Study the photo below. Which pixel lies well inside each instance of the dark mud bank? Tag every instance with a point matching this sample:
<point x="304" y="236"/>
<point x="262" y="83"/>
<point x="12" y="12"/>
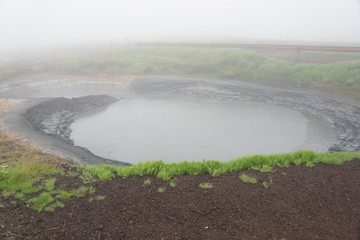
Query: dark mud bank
<point x="54" y="117"/>
<point x="344" y="118"/>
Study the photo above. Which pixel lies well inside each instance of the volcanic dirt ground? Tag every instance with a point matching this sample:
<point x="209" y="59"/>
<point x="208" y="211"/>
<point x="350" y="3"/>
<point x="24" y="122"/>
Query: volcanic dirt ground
<point x="322" y="202"/>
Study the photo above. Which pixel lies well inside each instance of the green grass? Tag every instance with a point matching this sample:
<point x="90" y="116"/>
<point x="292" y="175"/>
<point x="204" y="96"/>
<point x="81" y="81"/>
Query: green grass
<point x="20" y="196"/>
<point x="266" y="168"/>
<point x="147" y="182"/>
<point x="91" y="190"/>
<point x="221" y="63"/>
<point x="38" y="203"/>
<point x="28" y="175"/>
<point x="63" y="195"/>
<point x="161" y="189"/>
<point x="52" y="207"/>
<point x="87" y="176"/>
<point x="24" y="174"/>
<point x="79" y="192"/>
<point x="172" y="184"/>
<point x="266" y="162"/>
<point x="205" y="185"/>
<point x="310" y="164"/>
<point x="50" y="184"/>
<point x="268" y="184"/>
<point x="99" y="198"/>
<point x="248" y="179"/>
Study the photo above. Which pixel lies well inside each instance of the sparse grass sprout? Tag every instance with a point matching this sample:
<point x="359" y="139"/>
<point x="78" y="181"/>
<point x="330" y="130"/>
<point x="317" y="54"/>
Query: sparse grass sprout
<point x="99" y="198"/>
<point x="205" y="185"/>
<point x="310" y="164"/>
<point x="172" y="184"/>
<point x="248" y="179"/>
<point x="50" y="184"/>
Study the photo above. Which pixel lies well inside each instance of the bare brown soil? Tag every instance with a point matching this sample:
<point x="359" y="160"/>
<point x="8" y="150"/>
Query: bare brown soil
<point x="322" y="202"/>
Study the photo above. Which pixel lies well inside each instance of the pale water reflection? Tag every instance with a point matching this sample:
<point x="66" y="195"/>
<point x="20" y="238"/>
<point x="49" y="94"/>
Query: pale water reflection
<point x="140" y="129"/>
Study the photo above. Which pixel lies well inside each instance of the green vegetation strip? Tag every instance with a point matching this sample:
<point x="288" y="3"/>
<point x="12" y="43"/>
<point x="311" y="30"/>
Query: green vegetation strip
<point x="264" y="163"/>
<point x="208" y="62"/>
<point x="38" y="189"/>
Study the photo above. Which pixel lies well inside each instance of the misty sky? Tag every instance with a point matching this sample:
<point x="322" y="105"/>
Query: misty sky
<point x="30" y="23"/>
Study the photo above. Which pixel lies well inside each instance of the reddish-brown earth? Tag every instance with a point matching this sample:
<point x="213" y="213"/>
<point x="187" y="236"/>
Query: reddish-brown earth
<point x="322" y="202"/>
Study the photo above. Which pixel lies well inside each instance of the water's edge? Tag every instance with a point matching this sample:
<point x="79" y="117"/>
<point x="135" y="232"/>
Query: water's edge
<point x="53" y="117"/>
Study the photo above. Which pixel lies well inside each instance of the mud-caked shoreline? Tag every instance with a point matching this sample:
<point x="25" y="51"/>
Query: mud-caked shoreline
<point x="55" y="116"/>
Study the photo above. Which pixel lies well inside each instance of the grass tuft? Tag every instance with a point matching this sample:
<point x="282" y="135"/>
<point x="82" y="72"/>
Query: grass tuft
<point x="50" y="184"/>
<point x="20" y="196"/>
<point x="266" y="169"/>
<point x="99" y="198"/>
<point x="248" y="179"/>
<point x="310" y="164"/>
<point x="52" y="207"/>
<point x="205" y="185"/>
<point x="38" y="203"/>
<point x="268" y="184"/>
<point x="161" y="189"/>
<point x="172" y="184"/>
<point x="91" y="190"/>
<point x="63" y="195"/>
<point x="80" y="192"/>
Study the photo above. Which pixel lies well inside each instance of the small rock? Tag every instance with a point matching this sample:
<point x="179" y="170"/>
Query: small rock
<point x="100" y="227"/>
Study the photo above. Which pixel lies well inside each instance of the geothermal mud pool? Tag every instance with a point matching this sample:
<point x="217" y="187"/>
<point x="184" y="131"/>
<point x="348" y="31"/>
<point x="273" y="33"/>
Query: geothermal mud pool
<point x="177" y="119"/>
<point x="193" y="129"/>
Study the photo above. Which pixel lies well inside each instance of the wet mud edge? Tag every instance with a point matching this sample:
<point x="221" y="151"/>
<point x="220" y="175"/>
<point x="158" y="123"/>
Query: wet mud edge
<point x="54" y="117"/>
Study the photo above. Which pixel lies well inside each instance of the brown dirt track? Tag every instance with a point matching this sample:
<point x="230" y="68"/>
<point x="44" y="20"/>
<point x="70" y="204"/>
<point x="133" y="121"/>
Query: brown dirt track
<point x="322" y="202"/>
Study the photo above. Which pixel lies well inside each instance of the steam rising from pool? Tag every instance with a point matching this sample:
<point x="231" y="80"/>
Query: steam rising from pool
<point x="140" y="129"/>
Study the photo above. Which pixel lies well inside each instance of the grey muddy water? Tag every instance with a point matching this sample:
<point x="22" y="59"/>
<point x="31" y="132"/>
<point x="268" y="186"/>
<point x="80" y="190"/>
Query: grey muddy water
<point x="137" y="129"/>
